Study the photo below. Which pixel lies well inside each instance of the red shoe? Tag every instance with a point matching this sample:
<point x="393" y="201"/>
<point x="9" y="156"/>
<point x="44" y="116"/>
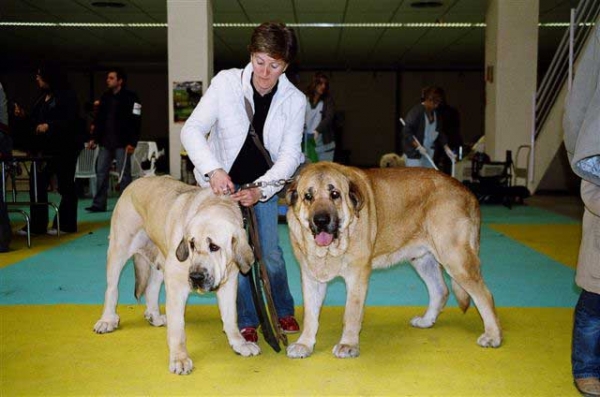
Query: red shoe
<point x="289" y="325"/>
<point x="250" y="334"/>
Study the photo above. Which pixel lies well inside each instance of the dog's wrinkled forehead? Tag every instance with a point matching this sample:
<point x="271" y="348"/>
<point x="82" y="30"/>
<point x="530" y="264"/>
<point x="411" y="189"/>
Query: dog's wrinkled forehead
<point x="323" y="183"/>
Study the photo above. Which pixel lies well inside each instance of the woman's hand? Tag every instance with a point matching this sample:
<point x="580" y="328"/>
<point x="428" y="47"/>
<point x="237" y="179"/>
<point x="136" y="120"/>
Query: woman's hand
<point x="247" y="197"/>
<point x="18" y="111"/>
<point x="42" y="128"/>
<point x="220" y="182"/>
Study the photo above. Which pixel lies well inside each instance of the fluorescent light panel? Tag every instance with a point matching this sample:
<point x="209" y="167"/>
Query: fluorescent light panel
<point x="376" y="25"/>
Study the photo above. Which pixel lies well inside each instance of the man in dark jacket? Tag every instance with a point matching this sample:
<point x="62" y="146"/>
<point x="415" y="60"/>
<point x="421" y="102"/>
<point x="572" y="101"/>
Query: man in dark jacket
<point x="116" y="129"/>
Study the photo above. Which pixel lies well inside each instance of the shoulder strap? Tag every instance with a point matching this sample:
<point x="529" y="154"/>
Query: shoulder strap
<point x="252" y="132"/>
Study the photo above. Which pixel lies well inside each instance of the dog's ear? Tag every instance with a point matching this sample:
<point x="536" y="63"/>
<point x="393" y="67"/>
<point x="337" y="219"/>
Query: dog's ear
<point x="243" y="255"/>
<point x="183" y="252"/>
<point x="357" y="195"/>
<point x="291" y="196"/>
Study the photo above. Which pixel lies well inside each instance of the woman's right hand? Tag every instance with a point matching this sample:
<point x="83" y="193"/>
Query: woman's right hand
<point x="220" y="183"/>
<point x="19" y="112"/>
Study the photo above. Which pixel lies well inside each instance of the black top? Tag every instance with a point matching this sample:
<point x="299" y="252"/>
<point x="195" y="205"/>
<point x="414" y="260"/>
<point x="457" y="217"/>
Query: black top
<point x="118" y="121"/>
<point x="61" y="113"/>
<point x="250" y="163"/>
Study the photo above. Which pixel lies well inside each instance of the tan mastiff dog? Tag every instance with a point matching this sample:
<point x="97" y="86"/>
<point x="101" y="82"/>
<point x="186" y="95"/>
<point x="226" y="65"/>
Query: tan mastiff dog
<point x="192" y="238"/>
<point x="345" y="222"/>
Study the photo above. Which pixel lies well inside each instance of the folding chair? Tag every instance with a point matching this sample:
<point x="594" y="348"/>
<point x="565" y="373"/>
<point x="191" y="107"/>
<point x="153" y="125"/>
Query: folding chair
<point x="86" y="167"/>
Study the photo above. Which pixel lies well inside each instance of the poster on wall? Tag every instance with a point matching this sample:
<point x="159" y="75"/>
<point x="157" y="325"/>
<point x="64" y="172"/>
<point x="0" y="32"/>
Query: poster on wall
<point x="186" y="95"/>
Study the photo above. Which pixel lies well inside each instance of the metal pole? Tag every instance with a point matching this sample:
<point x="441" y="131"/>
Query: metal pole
<point x="571" y="43"/>
<point x="532" y="152"/>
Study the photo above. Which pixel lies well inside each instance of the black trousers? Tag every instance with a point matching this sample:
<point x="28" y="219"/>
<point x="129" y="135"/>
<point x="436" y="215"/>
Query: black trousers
<point x="63" y="165"/>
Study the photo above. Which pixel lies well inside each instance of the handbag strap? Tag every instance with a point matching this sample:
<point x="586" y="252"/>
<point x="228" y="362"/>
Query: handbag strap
<point x="253" y="133"/>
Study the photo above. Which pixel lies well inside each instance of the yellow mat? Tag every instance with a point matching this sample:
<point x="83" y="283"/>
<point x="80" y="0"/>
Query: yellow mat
<point x="51" y="350"/>
<point x="559" y="242"/>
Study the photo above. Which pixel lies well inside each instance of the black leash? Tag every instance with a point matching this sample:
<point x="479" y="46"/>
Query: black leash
<point x="260" y="285"/>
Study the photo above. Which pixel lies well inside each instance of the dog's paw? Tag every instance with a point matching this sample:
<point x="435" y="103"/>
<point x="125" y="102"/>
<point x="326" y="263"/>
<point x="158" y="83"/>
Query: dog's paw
<point x="298" y="350"/>
<point x="486" y="340"/>
<point x="246" y="349"/>
<point x="155" y="319"/>
<point x="181" y="366"/>
<point x="106" y="325"/>
<point x="346" y="351"/>
<point x="422" y="322"/>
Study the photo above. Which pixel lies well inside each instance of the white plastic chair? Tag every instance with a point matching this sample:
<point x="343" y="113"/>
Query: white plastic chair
<point x="86" y="166"/>
<point x="144" y="151"/>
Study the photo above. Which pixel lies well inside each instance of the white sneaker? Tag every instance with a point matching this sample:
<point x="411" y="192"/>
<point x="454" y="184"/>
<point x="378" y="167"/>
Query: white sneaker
<point x="54" y="232"/>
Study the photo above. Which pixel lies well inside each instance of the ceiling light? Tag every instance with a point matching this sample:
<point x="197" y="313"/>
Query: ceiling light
<point x="374" y="25"/>
<point x="426" y="4"/>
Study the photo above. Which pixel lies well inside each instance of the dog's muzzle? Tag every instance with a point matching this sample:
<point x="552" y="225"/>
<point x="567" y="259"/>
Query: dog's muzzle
<point x="324" y="228"/>
<point x="202" y="280"/>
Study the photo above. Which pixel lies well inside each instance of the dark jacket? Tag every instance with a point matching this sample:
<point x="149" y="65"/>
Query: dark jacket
<point x="127" y="120"/>
<point x="325" y="127"/>
<point x="415" y="127"/>
<point x="65" y="130"/>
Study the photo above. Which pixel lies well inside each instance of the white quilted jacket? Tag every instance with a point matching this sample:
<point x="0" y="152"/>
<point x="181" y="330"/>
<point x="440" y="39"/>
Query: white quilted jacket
<point x="216" y="130"/>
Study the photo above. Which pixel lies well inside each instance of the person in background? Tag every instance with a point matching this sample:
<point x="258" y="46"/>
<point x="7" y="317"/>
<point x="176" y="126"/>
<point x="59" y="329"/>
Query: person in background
<point x="116" y="129"/>
<point x="420" y="134"/>
<point x="581" y="123"/>
<point x="218" y="141"/>
<point x="450" y="126"/>
<point x="318" y="127"/>
<point x="53" y="128"/>
<point x="5" y="151"/>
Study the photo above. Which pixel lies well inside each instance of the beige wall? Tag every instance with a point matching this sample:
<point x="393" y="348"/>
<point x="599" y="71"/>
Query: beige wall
<point x="511" y="45"/>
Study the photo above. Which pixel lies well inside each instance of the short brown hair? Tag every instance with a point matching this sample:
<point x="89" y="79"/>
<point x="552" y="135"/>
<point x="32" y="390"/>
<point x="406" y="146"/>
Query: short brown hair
<point x="432" y="92"/>
<point x="276" y="40"/>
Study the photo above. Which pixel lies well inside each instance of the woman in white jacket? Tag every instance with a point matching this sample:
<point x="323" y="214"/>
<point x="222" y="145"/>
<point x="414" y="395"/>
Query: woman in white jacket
<point x="217" y="140"/>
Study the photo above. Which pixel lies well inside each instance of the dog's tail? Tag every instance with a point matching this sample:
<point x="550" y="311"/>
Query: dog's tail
<point x="142" y="274"/>
<point x="461" y="295"/>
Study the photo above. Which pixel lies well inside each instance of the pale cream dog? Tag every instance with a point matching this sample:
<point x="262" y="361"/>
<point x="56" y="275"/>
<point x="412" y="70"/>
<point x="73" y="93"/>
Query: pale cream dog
<point x="192" y="238"/>
<point x="344" y="222"/>
<point x="391" y="160"/>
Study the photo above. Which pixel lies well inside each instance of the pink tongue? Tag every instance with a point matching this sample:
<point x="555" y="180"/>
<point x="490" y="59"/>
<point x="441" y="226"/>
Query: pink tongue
<point x="323" y="239"/>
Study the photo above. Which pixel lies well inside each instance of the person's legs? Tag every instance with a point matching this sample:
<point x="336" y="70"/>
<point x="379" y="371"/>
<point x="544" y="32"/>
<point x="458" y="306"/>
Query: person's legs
<point x="326" y="151"/>
<point x="105" y="157"/>
<point x="5" y="230"/>
<point x="39" y="213"/>
<point x="246" y="312"/>
<point x="65" y="173"/>
<point x="585" y="352"/>
<point x="267" y="217"/>
<point x="122" y="156"/>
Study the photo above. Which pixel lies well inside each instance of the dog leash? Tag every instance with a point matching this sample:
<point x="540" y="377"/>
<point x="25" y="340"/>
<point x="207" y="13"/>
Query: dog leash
<point x="259" y="184"/>
<point x="260" y="285"/>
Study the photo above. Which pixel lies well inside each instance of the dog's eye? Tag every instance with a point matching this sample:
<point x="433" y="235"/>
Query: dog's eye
<point x="192" y="244"/>
<point x="213" y="247"/>
<point x="334" y="194"/>
<point x="308" y="196"/>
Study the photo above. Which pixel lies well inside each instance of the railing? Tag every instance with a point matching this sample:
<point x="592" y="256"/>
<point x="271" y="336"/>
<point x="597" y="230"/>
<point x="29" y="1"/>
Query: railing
<point x="585" y="15"/>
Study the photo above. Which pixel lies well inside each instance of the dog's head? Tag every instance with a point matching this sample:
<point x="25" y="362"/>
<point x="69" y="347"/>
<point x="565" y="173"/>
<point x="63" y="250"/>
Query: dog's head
<point x="325" y="198"/>
<point x="213" y="244"/>
<point x="391" y="160"/>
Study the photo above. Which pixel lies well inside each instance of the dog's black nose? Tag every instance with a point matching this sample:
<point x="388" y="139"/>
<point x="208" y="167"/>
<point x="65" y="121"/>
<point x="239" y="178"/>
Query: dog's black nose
<point x="197" y="277"/>
<point x="322" y="220"/>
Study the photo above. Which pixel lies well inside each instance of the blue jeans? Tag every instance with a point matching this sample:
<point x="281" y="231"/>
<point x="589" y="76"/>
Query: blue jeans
<point x="585" y="351"/>
<point x="105" y="158"/>
<point x="266" y="217"/>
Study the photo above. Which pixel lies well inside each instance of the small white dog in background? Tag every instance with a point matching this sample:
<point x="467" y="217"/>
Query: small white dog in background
<point x="392" y="160"/>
